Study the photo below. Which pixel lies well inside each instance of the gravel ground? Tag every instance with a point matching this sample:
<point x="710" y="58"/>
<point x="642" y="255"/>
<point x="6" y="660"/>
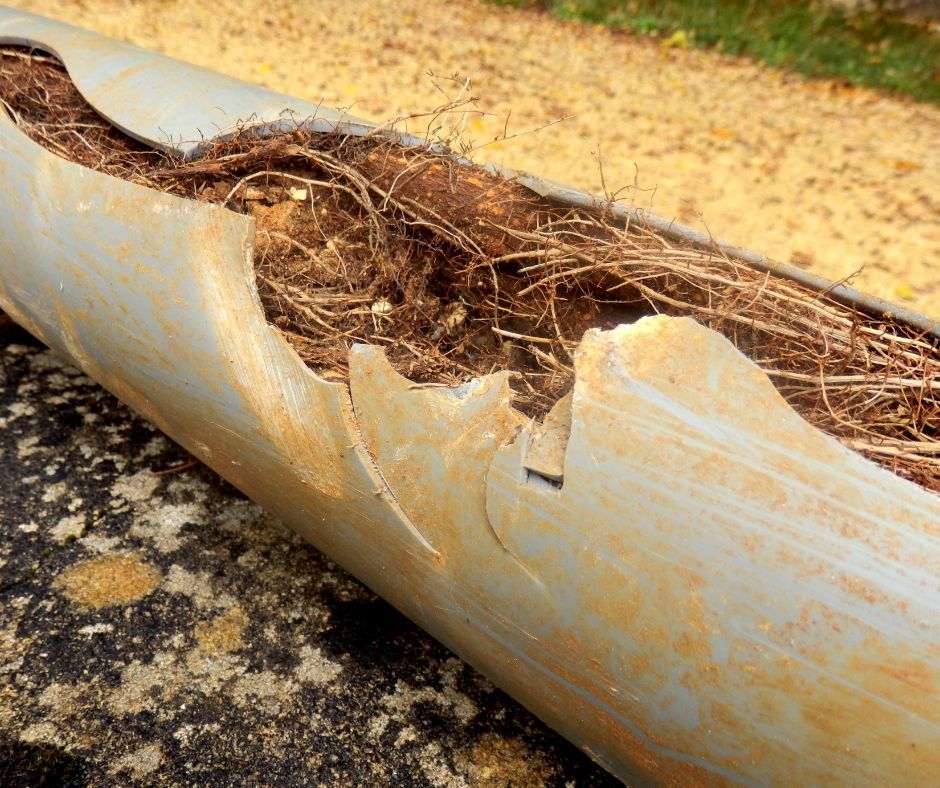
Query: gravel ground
<point x="162" y="629"/>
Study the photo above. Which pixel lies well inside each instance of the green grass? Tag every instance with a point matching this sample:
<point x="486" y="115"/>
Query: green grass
<point x="875" y="49"/>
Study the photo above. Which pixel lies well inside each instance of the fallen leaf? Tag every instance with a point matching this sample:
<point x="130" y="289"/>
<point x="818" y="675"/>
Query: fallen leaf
<point x="903" y="165"/>
<point x="905" y="292"/>
<point x="803" y="259"/>
<point x="678" y="40"/>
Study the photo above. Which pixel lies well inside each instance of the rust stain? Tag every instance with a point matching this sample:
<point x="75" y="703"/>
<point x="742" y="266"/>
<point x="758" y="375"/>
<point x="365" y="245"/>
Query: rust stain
<point x="866" y="591"/>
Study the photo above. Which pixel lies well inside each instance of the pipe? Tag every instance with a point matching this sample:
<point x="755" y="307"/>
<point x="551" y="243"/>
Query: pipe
<point x="693" y="588"/>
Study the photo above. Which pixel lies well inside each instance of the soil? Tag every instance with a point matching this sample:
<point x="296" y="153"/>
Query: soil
<point x="828" y="176"/>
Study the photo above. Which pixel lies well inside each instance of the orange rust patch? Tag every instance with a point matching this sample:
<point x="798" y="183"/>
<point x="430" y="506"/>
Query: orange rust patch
<point x="222" y="634"/>
<point x="109" y="580"/>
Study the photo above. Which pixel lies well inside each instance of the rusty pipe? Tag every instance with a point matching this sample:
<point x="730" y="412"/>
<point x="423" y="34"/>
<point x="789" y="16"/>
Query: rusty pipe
<point x="692" y="588"/>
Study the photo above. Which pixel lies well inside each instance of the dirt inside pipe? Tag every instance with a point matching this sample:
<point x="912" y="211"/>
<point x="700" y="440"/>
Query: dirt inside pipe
<point x="457" y="272"/>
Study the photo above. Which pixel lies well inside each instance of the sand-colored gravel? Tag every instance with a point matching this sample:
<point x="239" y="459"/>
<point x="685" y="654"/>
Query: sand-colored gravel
<point x="807" y="171"/>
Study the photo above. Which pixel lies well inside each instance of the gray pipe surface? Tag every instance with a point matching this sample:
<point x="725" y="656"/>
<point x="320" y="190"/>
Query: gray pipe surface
<point x="714" y="592"/>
